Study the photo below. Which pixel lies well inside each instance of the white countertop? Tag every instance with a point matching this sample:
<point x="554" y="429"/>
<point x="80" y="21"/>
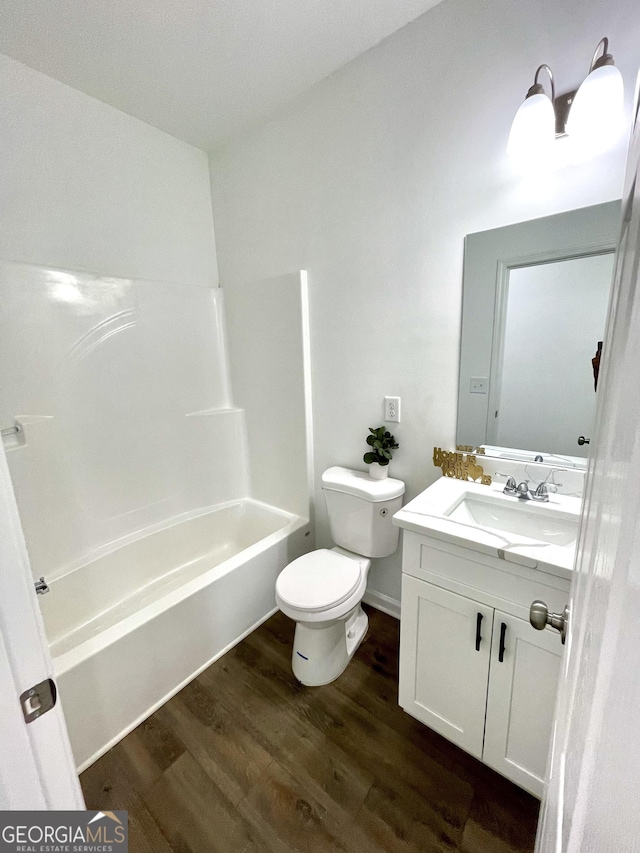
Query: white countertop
<point x="426" y="514"/>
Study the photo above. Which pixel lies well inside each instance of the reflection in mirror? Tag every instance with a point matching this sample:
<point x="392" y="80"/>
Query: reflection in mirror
<point x="534" y="314"/>
<point x="554" y="318"/>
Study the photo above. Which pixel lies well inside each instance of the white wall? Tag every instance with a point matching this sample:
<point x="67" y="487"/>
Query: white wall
<point x="84" y="186"/>
<point x="370" y="182"/>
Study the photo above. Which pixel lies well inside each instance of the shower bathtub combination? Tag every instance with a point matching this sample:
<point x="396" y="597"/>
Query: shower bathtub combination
<point x="154" y="502"/>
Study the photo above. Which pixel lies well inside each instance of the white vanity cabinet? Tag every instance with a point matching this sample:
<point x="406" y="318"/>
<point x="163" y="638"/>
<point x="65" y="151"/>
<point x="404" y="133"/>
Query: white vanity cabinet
<point x="521" y="700"/>
<point x="471" y="666"/>
<point x="443" y="671"/>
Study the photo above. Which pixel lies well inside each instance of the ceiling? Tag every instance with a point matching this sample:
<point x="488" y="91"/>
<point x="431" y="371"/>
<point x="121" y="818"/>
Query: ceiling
<point x="202" y="70"/>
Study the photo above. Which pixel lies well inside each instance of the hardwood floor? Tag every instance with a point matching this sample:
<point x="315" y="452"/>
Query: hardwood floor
<point x="246" y="759"/>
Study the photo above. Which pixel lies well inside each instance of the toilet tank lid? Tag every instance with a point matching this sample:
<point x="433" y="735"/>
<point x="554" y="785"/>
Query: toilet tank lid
<point x="360" y="484"/>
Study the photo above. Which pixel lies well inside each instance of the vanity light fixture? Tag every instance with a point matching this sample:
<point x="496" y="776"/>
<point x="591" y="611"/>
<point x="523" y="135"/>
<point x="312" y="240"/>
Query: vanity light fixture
<point x="533" y="129"/>
<point x="596" y="110"/>
<point x="590" y="116"/>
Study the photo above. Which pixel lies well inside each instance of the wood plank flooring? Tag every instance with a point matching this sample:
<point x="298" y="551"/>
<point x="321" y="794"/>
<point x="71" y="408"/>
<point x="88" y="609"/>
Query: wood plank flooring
<point x="246" y="759"/>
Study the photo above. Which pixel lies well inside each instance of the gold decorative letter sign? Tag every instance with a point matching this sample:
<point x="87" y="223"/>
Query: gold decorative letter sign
<point x="462" y="466"/>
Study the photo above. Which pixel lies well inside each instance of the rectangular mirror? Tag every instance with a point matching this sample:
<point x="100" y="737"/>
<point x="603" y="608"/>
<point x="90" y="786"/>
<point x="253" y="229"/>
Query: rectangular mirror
<point x="535" y="301"/>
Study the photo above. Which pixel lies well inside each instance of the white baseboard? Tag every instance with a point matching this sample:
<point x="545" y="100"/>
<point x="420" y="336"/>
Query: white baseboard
<point x="382" y="602"/>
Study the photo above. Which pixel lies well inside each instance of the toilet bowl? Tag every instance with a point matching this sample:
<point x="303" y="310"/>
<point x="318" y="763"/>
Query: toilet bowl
<point x="322" y="591"/>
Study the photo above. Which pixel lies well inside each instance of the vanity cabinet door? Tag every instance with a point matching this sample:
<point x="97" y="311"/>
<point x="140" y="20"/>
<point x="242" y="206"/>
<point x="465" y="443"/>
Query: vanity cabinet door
<point x="444" y="661"/>
<point x="520" y="705"/>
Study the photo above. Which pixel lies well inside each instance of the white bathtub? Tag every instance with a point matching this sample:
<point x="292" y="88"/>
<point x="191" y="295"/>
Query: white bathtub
<point x="133" y="626"/>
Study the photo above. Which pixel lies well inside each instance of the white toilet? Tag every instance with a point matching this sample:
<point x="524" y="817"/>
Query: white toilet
<point x="322" y="591"/>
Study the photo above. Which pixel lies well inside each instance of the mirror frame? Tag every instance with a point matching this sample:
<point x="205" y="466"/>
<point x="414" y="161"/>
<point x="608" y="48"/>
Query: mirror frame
<point x="488" y="258"/>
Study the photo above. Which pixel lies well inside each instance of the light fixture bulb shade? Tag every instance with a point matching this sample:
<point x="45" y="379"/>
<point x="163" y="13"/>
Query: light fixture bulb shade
<point x="533" y="130"/>
<point x="595" y="118"/>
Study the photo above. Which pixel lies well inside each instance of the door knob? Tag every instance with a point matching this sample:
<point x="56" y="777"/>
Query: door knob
<point x="540" y="617"/>
<point x="582" y="440"/>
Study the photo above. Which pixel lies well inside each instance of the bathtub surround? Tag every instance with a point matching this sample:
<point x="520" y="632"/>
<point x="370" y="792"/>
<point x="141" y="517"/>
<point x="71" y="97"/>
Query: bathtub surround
<point x="122" y="389"/>
<point x="269" y="359"/>
<point x="371" y="181"/>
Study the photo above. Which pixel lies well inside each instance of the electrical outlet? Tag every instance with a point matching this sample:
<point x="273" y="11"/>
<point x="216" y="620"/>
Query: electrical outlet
<point x="392" y="410"/>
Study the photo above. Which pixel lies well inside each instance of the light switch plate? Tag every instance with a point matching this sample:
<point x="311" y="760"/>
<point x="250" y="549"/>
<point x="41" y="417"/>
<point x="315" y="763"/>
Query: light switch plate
<point x="478" y="385"/>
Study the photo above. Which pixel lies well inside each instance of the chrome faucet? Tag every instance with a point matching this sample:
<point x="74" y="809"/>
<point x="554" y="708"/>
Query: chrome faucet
<point x="523" y="492"/>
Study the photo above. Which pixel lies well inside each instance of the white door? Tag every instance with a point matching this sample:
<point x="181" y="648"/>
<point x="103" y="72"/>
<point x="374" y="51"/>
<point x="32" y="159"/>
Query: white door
<point x="593" y="799"/>
<point x="36" y="765"/>
<point x="523" y="681"/>
<point x="444" y="661"/>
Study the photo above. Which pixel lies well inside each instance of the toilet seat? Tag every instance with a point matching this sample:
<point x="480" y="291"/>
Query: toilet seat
<point x="319" y="580"/>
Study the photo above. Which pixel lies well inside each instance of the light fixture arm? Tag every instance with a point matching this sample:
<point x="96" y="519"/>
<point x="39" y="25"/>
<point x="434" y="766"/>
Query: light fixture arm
<point x="605" y="59"/>
<point x="537" y="88"/>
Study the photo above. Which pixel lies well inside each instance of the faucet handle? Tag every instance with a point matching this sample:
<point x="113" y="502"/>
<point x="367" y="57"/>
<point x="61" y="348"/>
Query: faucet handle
<point x="541" y="493"/>
<point x="510" y="487"/>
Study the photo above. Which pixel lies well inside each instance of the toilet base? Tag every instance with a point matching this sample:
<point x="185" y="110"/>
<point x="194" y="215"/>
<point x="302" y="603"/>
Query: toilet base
<point x="322" y="650"/>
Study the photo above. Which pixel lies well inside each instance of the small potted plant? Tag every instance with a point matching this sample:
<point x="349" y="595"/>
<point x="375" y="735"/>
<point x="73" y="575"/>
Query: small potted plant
<point x="381" y="443"/>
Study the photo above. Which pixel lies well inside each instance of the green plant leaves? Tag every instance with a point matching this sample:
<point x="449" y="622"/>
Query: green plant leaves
<point x="382" y="443"/>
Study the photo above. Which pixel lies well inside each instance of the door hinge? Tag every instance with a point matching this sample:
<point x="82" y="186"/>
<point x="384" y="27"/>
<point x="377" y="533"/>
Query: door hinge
<point x="39" y="699"/>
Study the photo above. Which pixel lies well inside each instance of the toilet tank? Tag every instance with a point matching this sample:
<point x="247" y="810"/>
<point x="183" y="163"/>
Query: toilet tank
<point x="361" y="511"/>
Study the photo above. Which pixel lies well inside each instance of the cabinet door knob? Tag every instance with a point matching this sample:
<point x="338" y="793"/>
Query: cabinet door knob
<point x="540" y="617"/>
<point x="503" y="634"/>
<point x="478" y="634"/>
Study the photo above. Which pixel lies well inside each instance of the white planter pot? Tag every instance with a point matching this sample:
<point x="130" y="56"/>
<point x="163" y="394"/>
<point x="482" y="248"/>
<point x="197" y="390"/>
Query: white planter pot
<point x="378" y="472"/>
